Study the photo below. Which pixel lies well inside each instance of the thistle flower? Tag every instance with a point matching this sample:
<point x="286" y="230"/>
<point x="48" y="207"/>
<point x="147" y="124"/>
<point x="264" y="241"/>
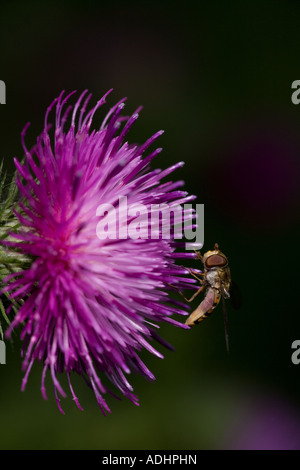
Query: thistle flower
<point x="91" y="304"/>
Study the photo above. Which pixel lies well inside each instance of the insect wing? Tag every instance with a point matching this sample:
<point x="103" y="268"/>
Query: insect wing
<point x="225" y="315"/>
<point x="235" y="296"/>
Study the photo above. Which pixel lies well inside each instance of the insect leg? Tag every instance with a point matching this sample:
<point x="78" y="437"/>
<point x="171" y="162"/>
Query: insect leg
<point x="198" y="274"/>
<point x="198" y="255"/>
<point x="196" y="277"/>
<point x="194" y="295"/>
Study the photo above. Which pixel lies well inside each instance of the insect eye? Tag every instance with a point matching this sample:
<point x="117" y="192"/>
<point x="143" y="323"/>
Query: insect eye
<point x="215" y="260"/>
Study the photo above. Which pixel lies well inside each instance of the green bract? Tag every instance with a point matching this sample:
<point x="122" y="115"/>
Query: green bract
<point x="10" y="260"/>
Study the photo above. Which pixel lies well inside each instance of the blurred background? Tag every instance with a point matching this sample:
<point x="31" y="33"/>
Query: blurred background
<point x="216" y="76"/>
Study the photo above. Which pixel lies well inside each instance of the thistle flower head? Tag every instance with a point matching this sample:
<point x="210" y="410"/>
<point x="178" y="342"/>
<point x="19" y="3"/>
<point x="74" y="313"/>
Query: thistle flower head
<point x="91" y="303"/>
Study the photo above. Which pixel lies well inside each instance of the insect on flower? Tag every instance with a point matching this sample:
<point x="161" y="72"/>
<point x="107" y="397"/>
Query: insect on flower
<point x="216" y="279"/>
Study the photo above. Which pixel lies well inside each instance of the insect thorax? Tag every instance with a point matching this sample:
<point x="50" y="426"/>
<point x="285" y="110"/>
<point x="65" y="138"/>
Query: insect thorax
<point x="213" y="278"/>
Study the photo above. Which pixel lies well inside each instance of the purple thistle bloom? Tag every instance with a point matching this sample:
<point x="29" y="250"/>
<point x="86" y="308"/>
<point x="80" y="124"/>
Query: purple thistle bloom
<point x="89" y="304"/>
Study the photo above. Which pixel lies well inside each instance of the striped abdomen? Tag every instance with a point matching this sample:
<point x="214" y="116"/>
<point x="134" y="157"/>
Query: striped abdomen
<point x="206" y="307"/>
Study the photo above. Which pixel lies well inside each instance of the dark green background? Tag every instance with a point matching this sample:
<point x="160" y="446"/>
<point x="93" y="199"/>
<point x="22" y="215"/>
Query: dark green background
<point x="217" y="77"/>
